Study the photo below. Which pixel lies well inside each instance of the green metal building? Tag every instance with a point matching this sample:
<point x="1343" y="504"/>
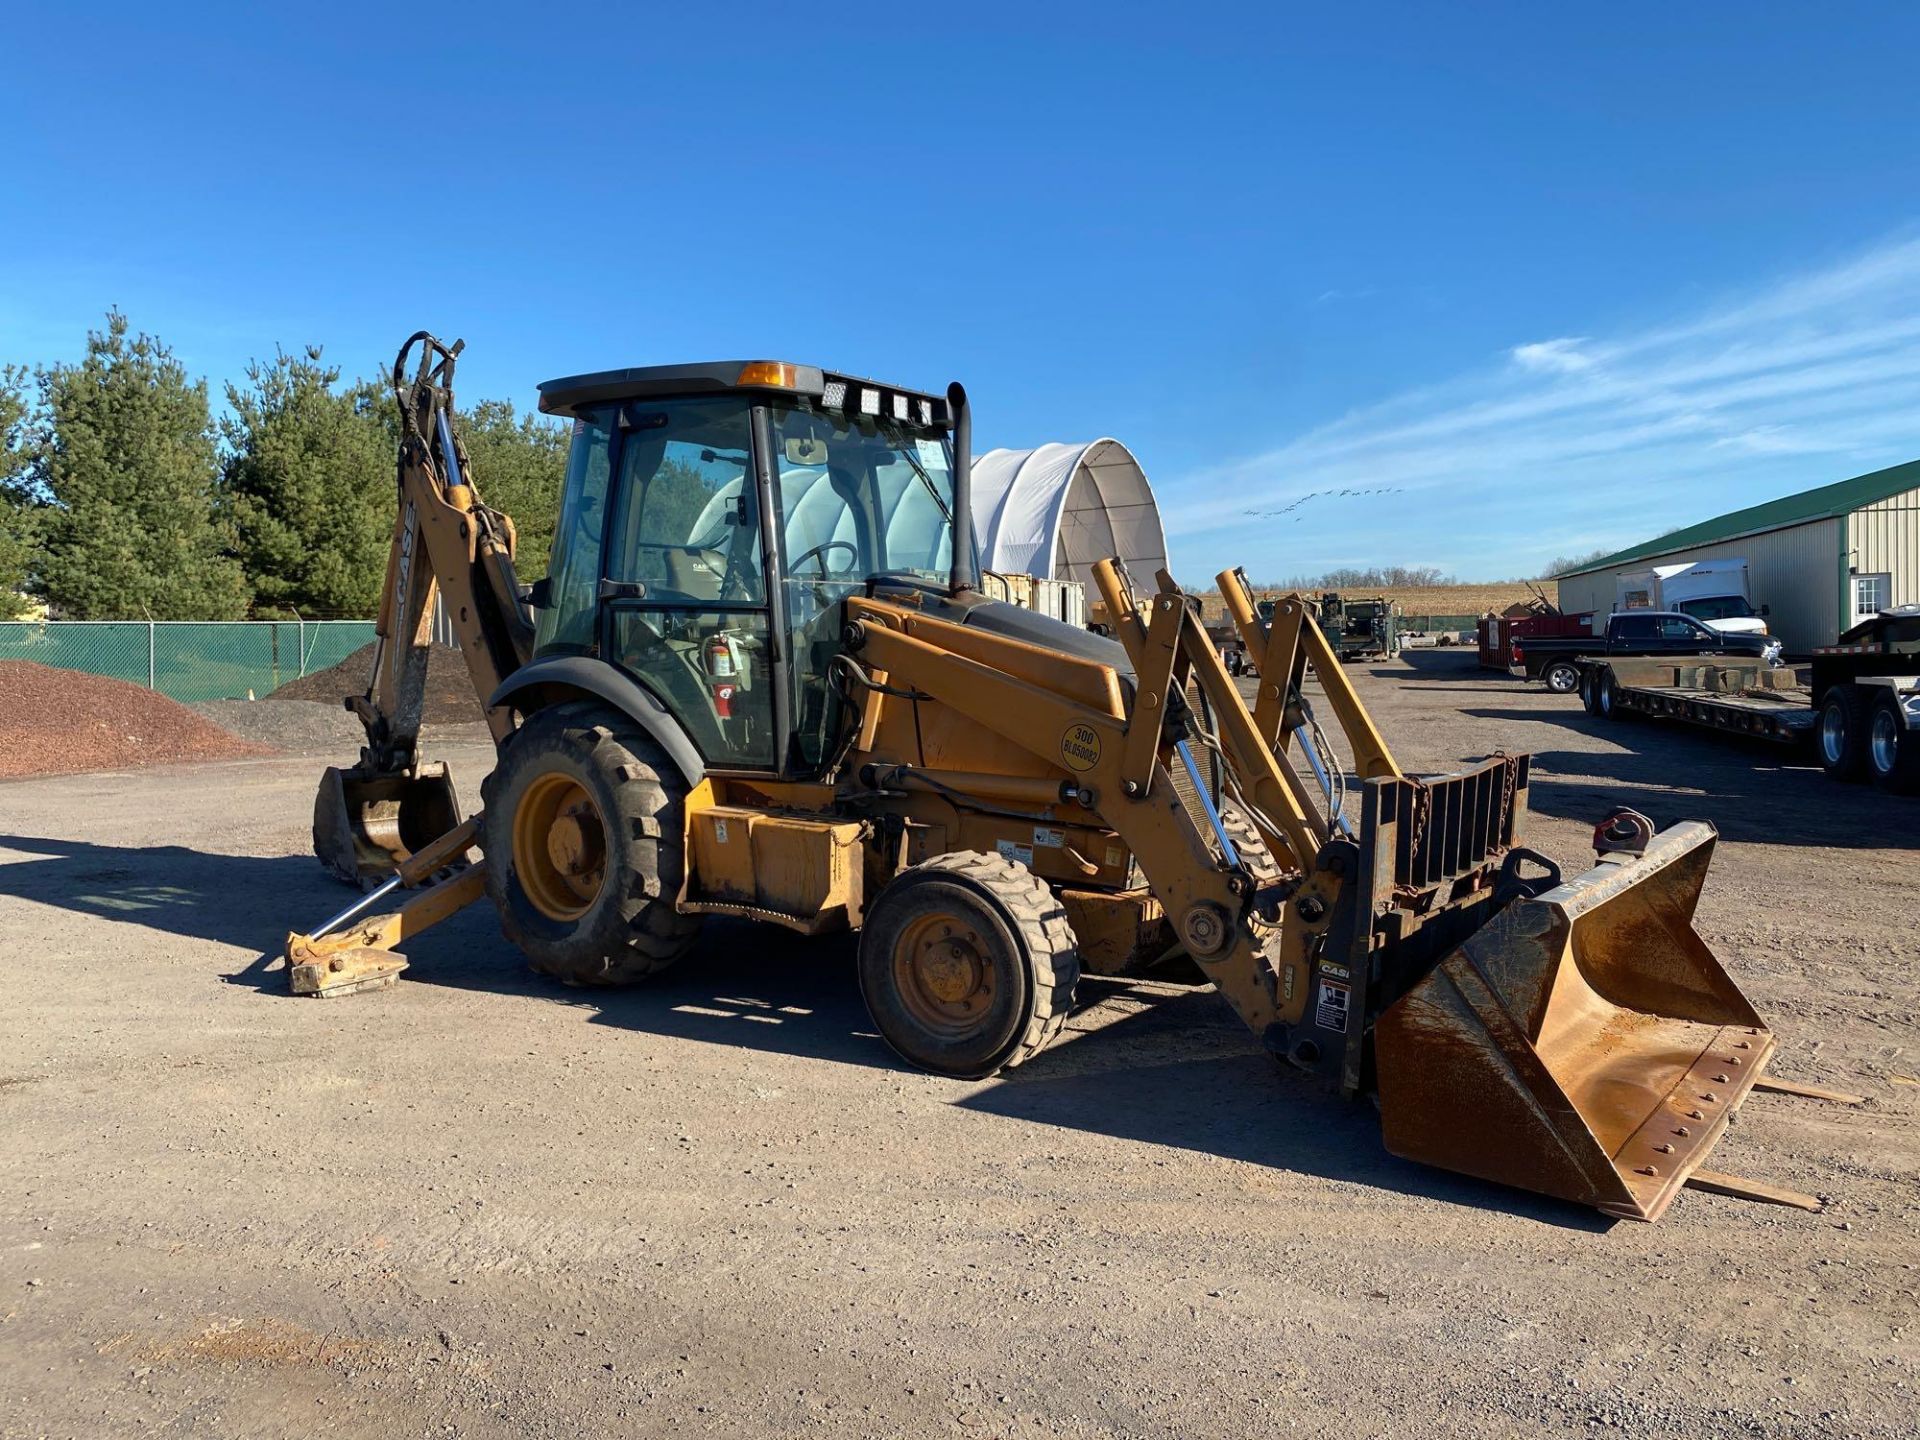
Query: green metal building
<point x="1820" y="560"/>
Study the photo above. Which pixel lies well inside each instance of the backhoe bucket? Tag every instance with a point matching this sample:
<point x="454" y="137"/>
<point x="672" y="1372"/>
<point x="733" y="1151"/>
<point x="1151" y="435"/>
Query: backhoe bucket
<point x="365" y="824"/>
<point x="1585" y="1043"/>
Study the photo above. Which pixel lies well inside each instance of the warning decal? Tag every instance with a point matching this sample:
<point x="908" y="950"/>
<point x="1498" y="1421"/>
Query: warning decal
<point x="1018" y="853"/>
<point x="1331" y="1012"/>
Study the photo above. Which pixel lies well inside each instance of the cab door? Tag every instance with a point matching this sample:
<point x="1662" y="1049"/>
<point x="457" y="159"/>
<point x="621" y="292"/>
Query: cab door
<point x="683" y="593"/>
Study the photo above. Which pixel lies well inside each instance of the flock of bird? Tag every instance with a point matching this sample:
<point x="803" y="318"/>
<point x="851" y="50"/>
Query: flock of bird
<point x="1295" y="504"/>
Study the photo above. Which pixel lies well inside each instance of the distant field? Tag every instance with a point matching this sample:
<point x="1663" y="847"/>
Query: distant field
<point x="1429" y="599"/>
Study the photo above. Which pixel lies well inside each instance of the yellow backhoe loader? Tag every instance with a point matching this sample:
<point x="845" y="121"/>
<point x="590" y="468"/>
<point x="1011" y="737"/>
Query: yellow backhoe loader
<point x="758" y="680"/>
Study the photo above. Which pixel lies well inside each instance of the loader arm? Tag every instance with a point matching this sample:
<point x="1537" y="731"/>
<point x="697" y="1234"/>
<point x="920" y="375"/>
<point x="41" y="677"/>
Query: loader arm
<point x="1568" y="1035"/>
<point x="448" y="545"/>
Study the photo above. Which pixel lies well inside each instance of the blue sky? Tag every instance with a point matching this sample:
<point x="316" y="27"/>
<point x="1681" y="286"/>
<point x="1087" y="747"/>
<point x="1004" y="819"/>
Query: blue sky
<point x="1556" y="278"/>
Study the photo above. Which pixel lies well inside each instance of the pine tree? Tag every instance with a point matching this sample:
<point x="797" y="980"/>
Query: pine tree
<point x="128" y="464"/>
<point x="519" y="466"/>
<point x="309" y="485"/>
<point x="19" y="515"/>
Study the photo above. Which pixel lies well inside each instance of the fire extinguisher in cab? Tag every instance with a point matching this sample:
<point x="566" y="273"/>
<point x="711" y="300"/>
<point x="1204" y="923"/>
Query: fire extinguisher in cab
<point x="723" y="673"/>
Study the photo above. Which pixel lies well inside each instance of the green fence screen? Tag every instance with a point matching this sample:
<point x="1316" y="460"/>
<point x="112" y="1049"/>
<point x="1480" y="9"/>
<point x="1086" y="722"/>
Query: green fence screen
<point x="187" y="659"/>
<point x="1433" y="624"/>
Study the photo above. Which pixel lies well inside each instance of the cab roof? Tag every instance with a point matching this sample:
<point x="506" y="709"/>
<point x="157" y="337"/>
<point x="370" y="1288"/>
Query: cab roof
<point x="571" y="394"/>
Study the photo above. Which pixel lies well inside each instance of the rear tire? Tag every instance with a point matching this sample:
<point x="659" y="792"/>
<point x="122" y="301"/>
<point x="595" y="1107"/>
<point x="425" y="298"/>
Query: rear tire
<point x="1842" y="732"/>
<point x="967" y="964"/>
<point x="1893" y="751"/>
<point x="583" y="837"/>
<point x="1561" y="677"/>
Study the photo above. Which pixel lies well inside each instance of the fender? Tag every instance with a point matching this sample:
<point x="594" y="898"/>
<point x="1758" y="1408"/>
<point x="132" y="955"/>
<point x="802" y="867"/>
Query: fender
<point x="563" y="677"/>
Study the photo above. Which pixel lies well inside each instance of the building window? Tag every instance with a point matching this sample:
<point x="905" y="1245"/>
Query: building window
<point x="1871" y="595"/>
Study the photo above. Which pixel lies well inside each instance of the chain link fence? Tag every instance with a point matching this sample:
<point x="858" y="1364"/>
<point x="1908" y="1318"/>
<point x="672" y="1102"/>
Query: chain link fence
<point x="1440" y="624"/>
<point x="189" y="659"/>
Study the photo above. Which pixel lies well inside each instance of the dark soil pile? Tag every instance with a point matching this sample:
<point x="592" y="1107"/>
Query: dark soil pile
<point x="63" y="722"/>
<point x="299" y="727"/>
<point x="449" y="700"/>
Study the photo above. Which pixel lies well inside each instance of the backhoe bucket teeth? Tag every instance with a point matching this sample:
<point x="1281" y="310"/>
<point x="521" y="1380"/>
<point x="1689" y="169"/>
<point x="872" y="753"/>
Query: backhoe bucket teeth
<point x="364" y="825"/>
<point x="1585" y="1043"/>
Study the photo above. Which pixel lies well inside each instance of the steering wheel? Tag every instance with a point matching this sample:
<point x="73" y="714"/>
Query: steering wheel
<point x="818" y="552"/>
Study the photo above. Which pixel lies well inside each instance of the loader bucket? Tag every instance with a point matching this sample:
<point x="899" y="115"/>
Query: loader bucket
<point x="365" y="824"/>
<point x="1585" y="1043"/>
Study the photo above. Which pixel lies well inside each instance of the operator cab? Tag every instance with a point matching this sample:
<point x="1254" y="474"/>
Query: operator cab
<point x="715" y="516"/>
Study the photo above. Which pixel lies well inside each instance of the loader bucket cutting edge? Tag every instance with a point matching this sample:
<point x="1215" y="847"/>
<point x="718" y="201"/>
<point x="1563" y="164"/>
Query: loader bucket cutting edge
<point x="1585" y="1044"/>
<point x="365" y="825"/>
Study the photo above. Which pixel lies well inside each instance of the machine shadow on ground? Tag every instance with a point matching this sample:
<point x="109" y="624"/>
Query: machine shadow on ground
<point x="1182" y="1072"/>
<point x="1178" y="1070"/>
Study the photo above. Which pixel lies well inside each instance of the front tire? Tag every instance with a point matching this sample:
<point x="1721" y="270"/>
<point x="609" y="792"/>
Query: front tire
<point x="967" y="964"/>
<point x="583" y="837"/>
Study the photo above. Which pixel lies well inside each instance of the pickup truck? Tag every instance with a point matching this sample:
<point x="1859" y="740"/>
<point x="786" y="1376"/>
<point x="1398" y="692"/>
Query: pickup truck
<point x="1550" y="658"/>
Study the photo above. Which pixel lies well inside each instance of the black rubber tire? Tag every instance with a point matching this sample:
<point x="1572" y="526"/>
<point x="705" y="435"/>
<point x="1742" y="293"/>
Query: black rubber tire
<point x="1252" y="846"/>
<point x="1561" y="677"/>
<point x="1902" y="776"/>
<point x="630" y="930"/>
<point x="1590" y="690"/>
<point x="1843" y="710"/>
<point x="1609" y="688"/>
<point x="1035" y="959"/>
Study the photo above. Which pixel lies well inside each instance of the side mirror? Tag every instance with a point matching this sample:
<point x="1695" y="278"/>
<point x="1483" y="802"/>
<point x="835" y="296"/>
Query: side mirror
<point x="1766" y="610"/>
<point x="539" y="595"/>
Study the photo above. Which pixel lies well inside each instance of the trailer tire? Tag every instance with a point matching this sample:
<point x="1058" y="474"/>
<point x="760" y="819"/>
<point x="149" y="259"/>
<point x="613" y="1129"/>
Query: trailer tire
<point x="1893" y="750"/>
<point x="584" y="766"/>
<point x="1842" y="732"/>
<point x="1562" y="677"/>
<point x="1590" y="690"/>
<point x="967" y="964"/>
<point x="1610" y="705"/>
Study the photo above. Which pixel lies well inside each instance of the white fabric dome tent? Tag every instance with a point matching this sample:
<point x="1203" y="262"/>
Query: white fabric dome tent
<point x="1052" y="512"/>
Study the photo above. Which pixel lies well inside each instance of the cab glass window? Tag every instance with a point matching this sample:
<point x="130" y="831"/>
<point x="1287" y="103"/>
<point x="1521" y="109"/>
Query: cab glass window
<point x="688" y="526"/>
<point x="566" y="624"/>
<point x="860" y="496"/>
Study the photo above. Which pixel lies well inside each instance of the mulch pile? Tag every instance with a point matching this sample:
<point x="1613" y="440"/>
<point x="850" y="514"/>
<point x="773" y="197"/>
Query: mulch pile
<point x="449" y="700"/>
<point x="64" y="722"/>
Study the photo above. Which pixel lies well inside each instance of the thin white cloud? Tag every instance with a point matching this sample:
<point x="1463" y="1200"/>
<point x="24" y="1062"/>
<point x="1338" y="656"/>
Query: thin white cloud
<point x="1573" y="442"/>
<point x="1562" y="355"/>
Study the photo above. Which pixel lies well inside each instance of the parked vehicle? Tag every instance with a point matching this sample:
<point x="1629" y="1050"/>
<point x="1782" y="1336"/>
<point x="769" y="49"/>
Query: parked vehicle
<point x="1551" y="658"/>
<point x="1860" y="701"/>
<point x="1715" y="592"/>
<point x="1498" y="634"/>
<point x="1361" y="629"/>
<point x="1868" y="697"/>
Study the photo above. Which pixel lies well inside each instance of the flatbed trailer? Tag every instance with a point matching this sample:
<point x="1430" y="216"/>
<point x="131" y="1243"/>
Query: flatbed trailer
<point x="1859" y="701"/>
<point x="1725" y="693"/>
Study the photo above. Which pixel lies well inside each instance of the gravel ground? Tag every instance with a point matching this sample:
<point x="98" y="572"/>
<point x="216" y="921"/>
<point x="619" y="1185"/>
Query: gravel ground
<point x="482" y="1204"/>
<point x="63" y="722"/>
<point x="315" y="727"/>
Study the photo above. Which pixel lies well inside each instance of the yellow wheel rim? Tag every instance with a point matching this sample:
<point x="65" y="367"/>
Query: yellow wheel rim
<point x="559" y="847"/>
<point x="943" y="973"/>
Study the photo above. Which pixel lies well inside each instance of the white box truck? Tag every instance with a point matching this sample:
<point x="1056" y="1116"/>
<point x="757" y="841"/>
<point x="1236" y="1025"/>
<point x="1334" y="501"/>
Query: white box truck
<point x="1714" y="592"/>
